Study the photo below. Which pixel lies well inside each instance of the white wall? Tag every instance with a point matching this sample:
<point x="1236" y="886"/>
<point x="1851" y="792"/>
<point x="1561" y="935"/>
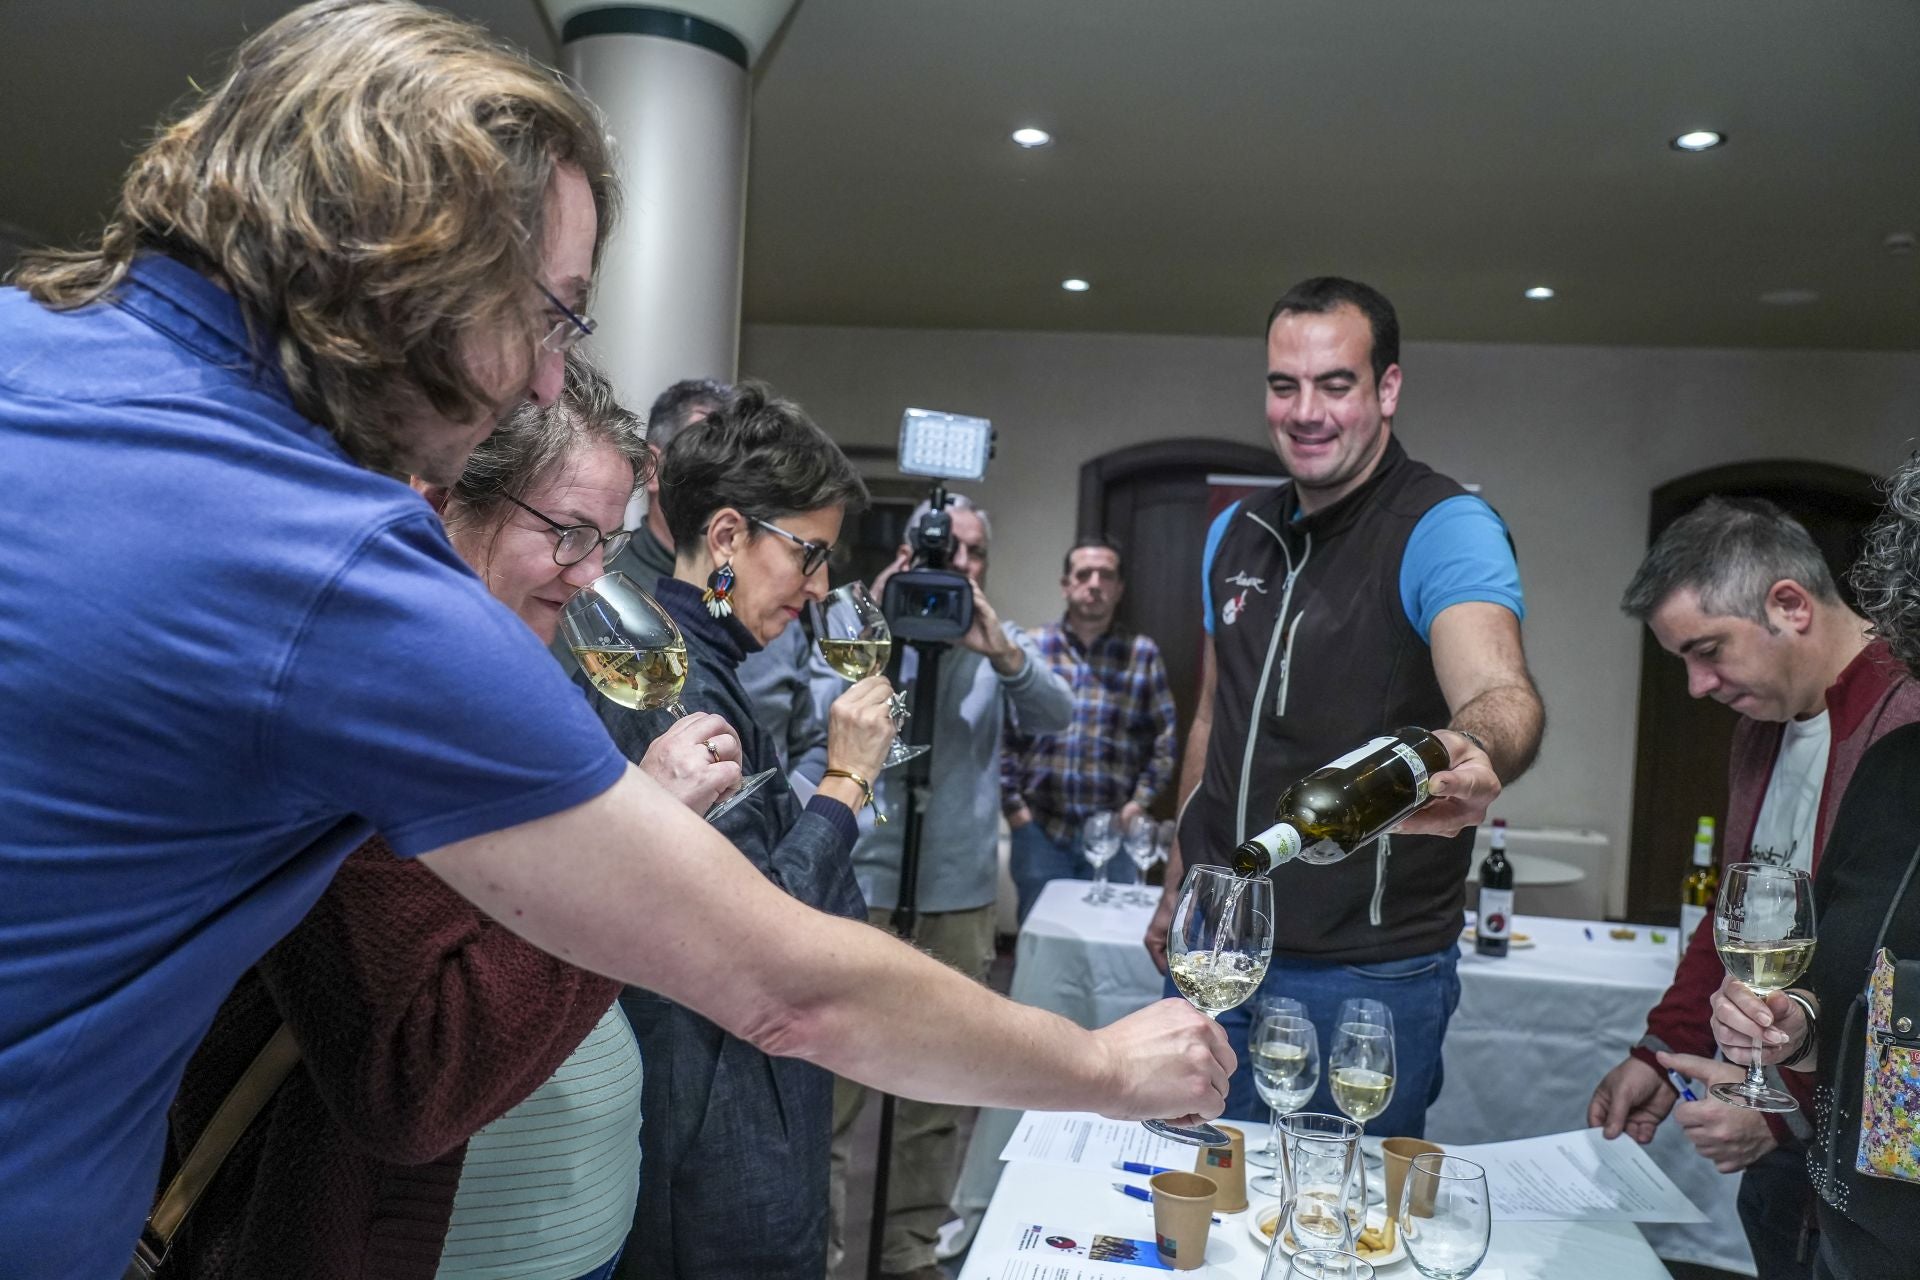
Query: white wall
<point x="1568" y="442"/>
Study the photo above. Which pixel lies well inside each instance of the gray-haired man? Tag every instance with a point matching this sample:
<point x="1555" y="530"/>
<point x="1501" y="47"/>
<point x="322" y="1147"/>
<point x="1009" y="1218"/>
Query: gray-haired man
<point x="1740" y="593"/>
<point x="992" y="672"/>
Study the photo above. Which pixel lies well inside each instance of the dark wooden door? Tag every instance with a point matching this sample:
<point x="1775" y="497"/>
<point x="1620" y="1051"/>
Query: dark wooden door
<point x="1153" y="500"/>
<point x="1680" y="761"/>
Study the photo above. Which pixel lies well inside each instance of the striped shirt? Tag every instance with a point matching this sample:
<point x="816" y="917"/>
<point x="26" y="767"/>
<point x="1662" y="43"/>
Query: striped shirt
<point x="547" y="1191"/>
<point x="1120" y="746"/>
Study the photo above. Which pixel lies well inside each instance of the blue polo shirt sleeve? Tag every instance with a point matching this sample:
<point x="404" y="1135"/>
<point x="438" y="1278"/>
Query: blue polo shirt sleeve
<point x="1215" y="532"/>
<point x="1459" y="551"/>
<point x="414" y="699"/>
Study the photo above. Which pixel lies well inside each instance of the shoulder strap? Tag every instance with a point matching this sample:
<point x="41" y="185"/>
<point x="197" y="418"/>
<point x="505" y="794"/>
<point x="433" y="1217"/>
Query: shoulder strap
<point x="257" y="1084"/>
<point x="1899" y="895"/>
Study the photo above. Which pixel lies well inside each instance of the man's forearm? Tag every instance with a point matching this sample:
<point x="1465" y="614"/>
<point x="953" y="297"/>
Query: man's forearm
<point x="633" y="885"/>
<point x="1509" y="720"/>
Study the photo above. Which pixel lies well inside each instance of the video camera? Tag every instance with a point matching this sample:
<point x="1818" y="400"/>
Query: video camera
<point x="929" y="603"/>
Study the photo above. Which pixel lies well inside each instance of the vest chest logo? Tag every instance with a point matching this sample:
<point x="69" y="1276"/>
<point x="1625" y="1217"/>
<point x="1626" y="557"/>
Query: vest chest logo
<point x="1236" y="605"/>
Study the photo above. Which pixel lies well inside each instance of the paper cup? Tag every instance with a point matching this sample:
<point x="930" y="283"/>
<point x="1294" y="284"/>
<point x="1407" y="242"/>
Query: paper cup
<point x="1398" y="1154"/>
<point x="1182" y="1216"/>
<point x="1227" y="1167"/>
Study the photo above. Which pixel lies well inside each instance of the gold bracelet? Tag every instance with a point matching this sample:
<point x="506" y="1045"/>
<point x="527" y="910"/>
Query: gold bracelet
<point x="865" y="787"/>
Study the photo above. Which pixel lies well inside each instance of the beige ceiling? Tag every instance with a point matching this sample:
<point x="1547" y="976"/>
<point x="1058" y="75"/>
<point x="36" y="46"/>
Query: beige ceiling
<point x="1210" y="151"/>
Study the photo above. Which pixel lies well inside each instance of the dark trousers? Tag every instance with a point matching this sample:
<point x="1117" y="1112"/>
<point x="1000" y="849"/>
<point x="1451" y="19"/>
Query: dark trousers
<point x="1776" y="1201"/>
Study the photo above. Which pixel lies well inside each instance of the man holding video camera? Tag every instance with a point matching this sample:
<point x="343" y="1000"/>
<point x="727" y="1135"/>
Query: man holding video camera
<point x="992" y="670"/>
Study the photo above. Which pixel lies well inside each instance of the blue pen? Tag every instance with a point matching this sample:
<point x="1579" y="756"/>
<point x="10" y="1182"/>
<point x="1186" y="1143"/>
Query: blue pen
<point x="1589" y="934"/>
<point x="1679" y="1082"/>
<point x="1134" y="1166"/>
<point x="1141" y="1193"/>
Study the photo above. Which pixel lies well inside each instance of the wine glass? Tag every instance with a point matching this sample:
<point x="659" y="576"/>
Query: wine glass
<point x="1446" y="1217"/>
<point x="1325" y="1264"/>
<point x="1267" y="1154"/>
<point x="1360" y="1060"/>
<point x="634" y="655"/>
<point x="1218" y="946"/>
<point x="1763" y="929"/>
<point x="1099" y="841"/>
<point x="1285" y="1051"/>
<point x="1138" y="843"/>
<point x="1163" y="841"/>
<point x="855" y="640"/>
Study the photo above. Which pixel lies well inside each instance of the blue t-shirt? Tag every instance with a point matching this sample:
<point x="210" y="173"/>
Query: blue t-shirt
<point x="1457" y="552"/>
<point x="227" y="655"/>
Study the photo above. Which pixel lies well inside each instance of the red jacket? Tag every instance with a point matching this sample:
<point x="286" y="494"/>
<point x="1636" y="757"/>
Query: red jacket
<point x="1873" y="695"/>
<point x="420" y="1021"/>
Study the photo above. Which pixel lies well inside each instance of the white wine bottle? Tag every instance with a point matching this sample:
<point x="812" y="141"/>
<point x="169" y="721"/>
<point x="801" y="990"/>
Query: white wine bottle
<point x="1702" y="885"/>
<point x="1344" y="804"/>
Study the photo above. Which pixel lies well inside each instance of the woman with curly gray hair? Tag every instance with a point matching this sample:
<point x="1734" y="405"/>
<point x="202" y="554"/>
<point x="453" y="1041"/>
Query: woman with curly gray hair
<point x="1849" y="1025"/>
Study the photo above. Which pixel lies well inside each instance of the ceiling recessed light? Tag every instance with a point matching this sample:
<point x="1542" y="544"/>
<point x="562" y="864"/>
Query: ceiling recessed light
<point x="1789" y="297"/>
<point x="1699" y="140"/>
<point x="1075" y="285"/>
<point x="1539" y="293"/>
<point x="1031" y="138"/>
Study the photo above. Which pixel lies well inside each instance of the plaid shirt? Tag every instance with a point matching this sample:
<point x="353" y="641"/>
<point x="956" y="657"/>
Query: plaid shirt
<point x="1120" y="746"/>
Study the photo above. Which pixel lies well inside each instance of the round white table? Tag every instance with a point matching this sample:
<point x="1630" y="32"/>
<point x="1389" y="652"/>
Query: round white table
<point x="1534" y="1033"/>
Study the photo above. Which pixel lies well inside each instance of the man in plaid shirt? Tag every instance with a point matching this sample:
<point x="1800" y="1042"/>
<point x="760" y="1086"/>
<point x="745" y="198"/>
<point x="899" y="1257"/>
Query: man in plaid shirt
<point x="1119" y="751"/>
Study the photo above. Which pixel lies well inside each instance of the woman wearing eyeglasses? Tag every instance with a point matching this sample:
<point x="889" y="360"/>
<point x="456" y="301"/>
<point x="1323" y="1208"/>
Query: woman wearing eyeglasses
<point x="464" y="1105"/>
<point x="736" y="1143"/>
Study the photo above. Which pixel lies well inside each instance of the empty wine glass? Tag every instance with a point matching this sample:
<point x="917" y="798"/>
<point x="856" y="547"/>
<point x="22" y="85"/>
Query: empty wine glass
<point x="1323" y="1264"/>
<point x="1285" y="1052"/>
<point x="1139" y="845"/>
<point x="1763" y="929"/>
<point x="634" y="655"/>
<point x="856" y="641"/>
<point x="1218" y="947"/>
<point x="1446" y="1217"/>
<point x="1099" y="841"/>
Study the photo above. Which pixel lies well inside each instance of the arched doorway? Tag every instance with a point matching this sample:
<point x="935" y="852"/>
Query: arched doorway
<point x="1680" y="756"/>
<point x="1155" y="500"/>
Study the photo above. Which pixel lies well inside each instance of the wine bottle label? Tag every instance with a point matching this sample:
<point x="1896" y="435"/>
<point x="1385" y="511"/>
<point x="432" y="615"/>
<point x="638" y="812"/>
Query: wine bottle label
<point x="1495" y="919"/>
<point x="1279" y="843"/>
<point x="1415" y="763"/>
<point x="1361" y="752"/>
<point x="1690" y="919"/>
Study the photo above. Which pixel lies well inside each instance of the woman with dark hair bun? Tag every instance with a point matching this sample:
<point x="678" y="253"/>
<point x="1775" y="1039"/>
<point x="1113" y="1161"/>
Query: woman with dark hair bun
<point x="755" y="496"/>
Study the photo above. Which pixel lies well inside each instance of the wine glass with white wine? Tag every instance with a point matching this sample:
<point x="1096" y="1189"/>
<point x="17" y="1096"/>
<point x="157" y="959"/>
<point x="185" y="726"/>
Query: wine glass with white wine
<point x="856" y="641"/>
<point x="1284" y="1049"/>
<point x="1763" y="929"/>
<point x="1218" y="947"/>
<point x="634" y="655"/>
<point x="1360" y="1059"/>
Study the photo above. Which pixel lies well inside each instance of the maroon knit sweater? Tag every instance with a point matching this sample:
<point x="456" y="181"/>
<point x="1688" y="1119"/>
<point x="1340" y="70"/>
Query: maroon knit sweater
<point x="420" y="1021"/>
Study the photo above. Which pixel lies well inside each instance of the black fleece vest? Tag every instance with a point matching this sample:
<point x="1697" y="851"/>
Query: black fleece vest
<point x="1315" y="656"/>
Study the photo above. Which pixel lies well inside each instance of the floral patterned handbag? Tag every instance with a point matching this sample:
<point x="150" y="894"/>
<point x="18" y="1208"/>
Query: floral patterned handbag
<point x="1890" y="1094"/>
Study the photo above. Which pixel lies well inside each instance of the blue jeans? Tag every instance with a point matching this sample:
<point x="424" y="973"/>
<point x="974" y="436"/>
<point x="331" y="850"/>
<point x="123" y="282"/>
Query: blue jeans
<point x="1423" y="991"/>
<point x="1036" y="858"/>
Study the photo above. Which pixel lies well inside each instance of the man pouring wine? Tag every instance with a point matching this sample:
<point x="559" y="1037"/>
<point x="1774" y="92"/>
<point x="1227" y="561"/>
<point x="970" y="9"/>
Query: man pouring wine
<point x="1367" y="594"/>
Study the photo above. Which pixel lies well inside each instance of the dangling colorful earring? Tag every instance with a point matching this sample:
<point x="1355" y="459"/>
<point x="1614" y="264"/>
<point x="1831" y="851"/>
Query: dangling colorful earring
<point x="719" y="589"/>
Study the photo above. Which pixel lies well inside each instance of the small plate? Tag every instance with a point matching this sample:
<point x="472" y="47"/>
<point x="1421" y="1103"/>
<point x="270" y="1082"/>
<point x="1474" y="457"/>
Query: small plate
<point x="1260" y="1227"/>
<point x="1515" y="942"/>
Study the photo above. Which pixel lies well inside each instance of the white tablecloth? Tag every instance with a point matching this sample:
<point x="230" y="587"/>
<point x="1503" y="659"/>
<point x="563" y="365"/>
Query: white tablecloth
<point x="1533" y="1035"/>
<point x="1084" y="1199"/>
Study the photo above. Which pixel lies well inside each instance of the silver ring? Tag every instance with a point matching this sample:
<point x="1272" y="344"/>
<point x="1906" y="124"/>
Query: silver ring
<point x="713" y="752"/>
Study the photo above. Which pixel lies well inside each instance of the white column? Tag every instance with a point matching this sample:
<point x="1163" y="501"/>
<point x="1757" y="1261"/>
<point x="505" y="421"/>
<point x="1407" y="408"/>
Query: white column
<point x="673" y="85"/>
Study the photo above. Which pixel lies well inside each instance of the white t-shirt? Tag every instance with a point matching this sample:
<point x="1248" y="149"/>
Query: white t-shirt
<point x="1783" y="835"/>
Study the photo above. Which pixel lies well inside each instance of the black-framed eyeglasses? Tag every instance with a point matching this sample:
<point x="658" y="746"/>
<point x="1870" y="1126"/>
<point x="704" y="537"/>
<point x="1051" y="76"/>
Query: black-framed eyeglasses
<point x="814" y="554"/>
<point x="566" y="331"/>
<point x="575" y="542"/>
